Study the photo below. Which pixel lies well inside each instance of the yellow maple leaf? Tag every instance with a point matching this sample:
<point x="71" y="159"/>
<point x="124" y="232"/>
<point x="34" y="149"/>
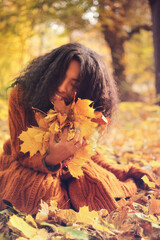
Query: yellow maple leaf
<point x="82" y="107"/>
<point x="28" y="144"/>
<point x="32" y="140"/>
<point x="86" y="216"/>
<point x="76" y="163"/>
<point x="87" y="128"/>
<point x="38" y="136"/>
<point x="75" y="167"/>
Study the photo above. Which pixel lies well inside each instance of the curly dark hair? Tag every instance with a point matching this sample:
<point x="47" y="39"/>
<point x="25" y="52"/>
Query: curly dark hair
<point x="49" y="71"/>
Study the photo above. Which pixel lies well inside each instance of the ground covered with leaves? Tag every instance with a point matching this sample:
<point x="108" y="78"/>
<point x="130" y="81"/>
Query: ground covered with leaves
<point x="133" y="138"/>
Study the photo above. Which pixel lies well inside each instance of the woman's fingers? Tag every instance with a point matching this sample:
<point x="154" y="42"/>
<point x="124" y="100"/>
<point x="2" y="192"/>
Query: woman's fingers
<point x="52" y="136"/>
<point x="85" y="142"/>
<point x="76" y="143"/>
<point x="64" y="134"/>
<point x="76" y="137"/>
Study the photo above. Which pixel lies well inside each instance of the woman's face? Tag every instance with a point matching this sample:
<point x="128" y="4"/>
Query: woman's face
<point x="70" y="84"/>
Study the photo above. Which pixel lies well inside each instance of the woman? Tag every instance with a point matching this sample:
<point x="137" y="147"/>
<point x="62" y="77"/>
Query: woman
<point x="25" y="180"/>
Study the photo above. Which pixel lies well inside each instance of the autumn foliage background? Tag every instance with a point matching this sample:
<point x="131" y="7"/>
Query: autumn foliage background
<point x="31" y="28"/>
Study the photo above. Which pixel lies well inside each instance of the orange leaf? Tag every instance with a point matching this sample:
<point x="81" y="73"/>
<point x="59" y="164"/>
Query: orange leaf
<point x="101" y="120"/>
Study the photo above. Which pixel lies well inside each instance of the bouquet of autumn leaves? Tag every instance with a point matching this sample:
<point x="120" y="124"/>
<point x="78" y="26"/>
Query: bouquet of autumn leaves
<point x="78" y="114"/>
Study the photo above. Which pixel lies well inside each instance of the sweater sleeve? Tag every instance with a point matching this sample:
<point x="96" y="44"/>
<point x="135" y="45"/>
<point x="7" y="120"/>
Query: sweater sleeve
<point x="123" y="172"/>
<point x="18" y="122"/>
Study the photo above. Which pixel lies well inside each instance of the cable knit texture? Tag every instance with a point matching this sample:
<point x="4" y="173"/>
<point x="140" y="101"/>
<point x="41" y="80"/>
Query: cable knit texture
<point x="24" y="180"/>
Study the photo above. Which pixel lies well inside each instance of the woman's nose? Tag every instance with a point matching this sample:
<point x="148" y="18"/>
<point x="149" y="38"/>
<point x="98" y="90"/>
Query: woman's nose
<point x="63" y="87"/>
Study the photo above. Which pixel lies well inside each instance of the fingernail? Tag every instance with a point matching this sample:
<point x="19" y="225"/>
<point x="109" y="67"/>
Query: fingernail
<point x="79" y="129"/>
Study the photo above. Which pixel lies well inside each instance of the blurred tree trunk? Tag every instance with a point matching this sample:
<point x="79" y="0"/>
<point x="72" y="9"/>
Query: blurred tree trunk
<point x="117" y="52"/>
<point x="113" y="20"/>
<point x="155" y="9"/>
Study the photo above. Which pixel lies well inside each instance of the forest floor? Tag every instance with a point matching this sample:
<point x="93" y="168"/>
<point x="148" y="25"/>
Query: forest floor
<point x="132" y="138"/>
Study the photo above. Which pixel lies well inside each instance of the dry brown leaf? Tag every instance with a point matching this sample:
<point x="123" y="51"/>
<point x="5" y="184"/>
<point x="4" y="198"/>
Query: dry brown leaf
<point x="53" y="206"/>
<point x="154" y="206"/>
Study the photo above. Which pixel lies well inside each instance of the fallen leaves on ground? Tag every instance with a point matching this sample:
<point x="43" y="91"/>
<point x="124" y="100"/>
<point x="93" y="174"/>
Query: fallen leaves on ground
<point x="135" y="220"/>
<point x="132" y="138"/>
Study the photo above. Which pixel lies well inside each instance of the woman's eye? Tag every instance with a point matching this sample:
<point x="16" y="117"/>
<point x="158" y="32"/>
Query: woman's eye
<point x="75" y="85"/>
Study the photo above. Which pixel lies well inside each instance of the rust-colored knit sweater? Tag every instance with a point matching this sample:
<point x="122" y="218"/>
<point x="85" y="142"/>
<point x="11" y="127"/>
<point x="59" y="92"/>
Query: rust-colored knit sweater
<point x="24" y="181"/>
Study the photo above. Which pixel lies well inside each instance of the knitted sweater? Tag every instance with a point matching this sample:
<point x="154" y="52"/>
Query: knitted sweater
<point x="24" y="180"/>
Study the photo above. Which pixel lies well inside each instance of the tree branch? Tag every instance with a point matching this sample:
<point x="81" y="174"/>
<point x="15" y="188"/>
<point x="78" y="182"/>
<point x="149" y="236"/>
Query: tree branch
<point x="137" y="30"/>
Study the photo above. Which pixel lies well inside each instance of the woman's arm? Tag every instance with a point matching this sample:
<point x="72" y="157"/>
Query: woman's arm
<point x="18" y="122"/>
<point x="122" y="172"/>
<point x="57" y="152"/>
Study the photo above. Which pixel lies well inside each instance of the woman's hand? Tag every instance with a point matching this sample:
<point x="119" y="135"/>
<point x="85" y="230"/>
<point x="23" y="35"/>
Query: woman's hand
<point x="63" y="149"/>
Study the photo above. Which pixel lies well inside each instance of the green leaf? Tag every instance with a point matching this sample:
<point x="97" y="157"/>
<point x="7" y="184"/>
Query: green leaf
<point x="78" y="234"/>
